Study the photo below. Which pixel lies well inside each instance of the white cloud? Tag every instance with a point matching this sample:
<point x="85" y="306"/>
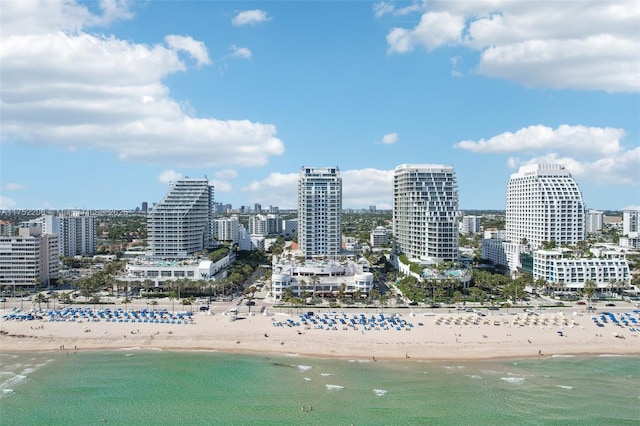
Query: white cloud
<point x="576" y="45"/>
<point x="195" y="48"/>
<point x="364" y="187"/>
<point x="222" y="186"/>
<point x="592" y="154"/>
<point x="621" y="169"/>
<point x="80" y="90"/>
<point x="6" y="202"/>
<point x="383" y="8"/>
<point x="169" y="176"/>
<point x="389" y="138"/>
<point x="360" y="188"/>
<point x="11" y="186"/>
<point x="250" y="17"/>
<point x="582" y="140"/>
<point x="22" y="17"/>
<point x="240" y="52"/>
<point x="226" y="174"/>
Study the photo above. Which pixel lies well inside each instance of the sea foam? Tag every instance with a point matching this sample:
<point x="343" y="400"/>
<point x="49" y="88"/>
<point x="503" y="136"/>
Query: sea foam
<point x="514" y="380"/>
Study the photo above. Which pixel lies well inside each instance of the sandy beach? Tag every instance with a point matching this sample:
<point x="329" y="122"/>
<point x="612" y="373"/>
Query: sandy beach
<point x="421" y="335"/>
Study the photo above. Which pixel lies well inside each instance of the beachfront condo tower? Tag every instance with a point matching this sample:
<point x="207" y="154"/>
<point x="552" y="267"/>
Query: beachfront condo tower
<point x="320" y="212"/>
<point x="425" y="212"/>
<point x="544" y="203"/>
<point x="181" y="224"/>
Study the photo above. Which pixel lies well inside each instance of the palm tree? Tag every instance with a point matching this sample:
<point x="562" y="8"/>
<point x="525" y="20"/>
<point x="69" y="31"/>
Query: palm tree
<point x="589" y="289"/>
<point x="95" y="300"/>
<point x="314" y="280"/>
<point x="54" y="297"/>
<point x="39" y="299"/>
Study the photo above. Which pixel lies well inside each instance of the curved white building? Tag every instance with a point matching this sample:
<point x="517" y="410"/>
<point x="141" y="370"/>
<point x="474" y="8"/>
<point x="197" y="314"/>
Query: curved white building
<point x="425" y="212"/>
<point x="180" y="225"/>
<point x="544" y="203"/>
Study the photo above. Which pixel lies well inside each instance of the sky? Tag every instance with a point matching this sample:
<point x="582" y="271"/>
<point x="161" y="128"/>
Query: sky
<point x="104" y="103"/>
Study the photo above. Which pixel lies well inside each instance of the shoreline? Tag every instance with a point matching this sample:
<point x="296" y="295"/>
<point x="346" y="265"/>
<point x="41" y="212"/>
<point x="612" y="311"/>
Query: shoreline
<point x="417" y="337"/>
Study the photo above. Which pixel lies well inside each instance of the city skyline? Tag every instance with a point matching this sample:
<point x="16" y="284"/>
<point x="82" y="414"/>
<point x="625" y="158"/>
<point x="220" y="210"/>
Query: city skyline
<point x="104" y="103"/>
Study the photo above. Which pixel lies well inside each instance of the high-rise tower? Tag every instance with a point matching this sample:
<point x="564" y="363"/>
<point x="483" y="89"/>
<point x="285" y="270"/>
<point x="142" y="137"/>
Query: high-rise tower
<point x="425" y="209"/>
<point x="320" y="212"/>
<point x="181" y="224"/>
<point x="544" y="203"/>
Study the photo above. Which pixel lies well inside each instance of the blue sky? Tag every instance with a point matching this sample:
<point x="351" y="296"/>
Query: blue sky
<point x="104" y="103"/>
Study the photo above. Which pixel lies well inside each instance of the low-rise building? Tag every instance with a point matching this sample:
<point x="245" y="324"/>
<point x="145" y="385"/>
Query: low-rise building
<point x="379" y="237"/>
<point x="564" y="270"/>
<point x="320" y="278"/>
<point x="30" y="258"/>
<point x="162" y="271"/>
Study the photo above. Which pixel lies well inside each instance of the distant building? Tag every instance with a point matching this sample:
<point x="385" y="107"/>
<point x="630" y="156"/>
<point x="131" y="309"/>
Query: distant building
<point x="595" y="220"/>
<point x="145" y="207"/>
<point x="227" y="229"/>
<point x="320" y="212"/>
<point x="630" y="221"/>
<point x="494" y="233"/>
<point x="76" y="232"/>
<point x="470" y="224"/>
<point x="265" y="225"/>
<point x="29" y="258"/>
<point x="8" y="229"/>
<point x="289" y="227"/>
<point x="425" y="209"/>
<point x="379" y="237"/>
<point x="181" y="224"/>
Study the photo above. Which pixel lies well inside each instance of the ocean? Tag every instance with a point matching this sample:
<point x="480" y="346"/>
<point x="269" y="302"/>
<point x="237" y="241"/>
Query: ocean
<point x="135" y="387"/>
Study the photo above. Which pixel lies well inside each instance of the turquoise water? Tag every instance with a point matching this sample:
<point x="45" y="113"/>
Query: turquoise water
<point x="164" y="388"/>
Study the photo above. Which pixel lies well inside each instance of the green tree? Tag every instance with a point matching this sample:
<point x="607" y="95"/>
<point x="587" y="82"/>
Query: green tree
<point x="589" y="289"/>
<point x="39" y="299"/>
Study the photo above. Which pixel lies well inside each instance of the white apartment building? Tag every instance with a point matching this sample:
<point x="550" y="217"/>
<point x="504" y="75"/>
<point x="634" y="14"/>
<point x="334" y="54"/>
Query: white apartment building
<point x="227" y="229"/>
<point x="595" y="220"/>
<point x="563" y="271"/>
<point x="379" y="237"/>
<point x="320" y="278"/>
<point x="30" y="258"/>
<point x="470" y="224"/>
<point x="544" y="203"/>
<point x="181" y="224"/>
<point x="320" y="212"/>
<point x="494" y="233"/>
<point x="425" y="210"/>
<point x="495" y="250"/>
<point x="265" y="225"/>
<point x="630" y="222"/>
<point x="289" y="227"/>
<point x="76" y="232"/>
